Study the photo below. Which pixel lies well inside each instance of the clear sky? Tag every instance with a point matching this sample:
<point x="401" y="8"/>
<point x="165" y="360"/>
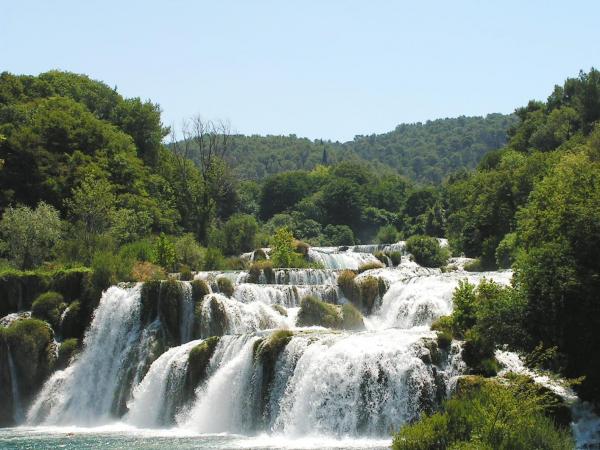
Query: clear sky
<point x="329" y="69"/>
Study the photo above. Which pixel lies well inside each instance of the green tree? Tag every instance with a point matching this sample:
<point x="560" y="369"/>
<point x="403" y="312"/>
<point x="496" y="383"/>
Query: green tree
<point x="282" y="248"/>
<point x="30" y="235"/>
<point x="164" y="253"/>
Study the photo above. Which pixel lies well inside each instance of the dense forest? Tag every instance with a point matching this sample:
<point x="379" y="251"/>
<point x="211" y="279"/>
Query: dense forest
<point x="87" y="181"/>
<point x="422" y="152"/>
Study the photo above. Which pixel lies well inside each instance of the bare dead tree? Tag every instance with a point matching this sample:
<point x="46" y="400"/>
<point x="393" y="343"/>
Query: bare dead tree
<point x="205" y="142"/>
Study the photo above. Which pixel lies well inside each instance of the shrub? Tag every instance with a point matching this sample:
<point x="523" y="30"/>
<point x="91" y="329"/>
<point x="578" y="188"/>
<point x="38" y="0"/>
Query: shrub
<point x="185" y="274"/>
<point x="315" y="312"/>
<point x="280" y="309"/>
<point x="164" y="253"/>
<point x="352" y="319"/>
<point x="68" y="348"/>
<point x="382" y="257"/>
<point x="506" y="251"/>
<point x="225" y="286"/>
<point x="444" y="340"/>
<point x="387" y="234"/>
<point x="474" y="266"/>
<point x="240" y="234"/>
<point x="141" y="250"/>
<point x="370" y="265"/>
<point x="188" y="252"/>
<point x="338" y="235"/>
<point x="235" y="263"/>
<point x="109" y="269"/>
<point x="146" y="271"/>
<point x="282" y="249"/>
<point x="427" y="251"/>
<point x="259" y="255"/>
<point x="49" y="307"/>
<point x="486" y="414"/>
<point x="301" y="248"/>
<point x="213" y="259"/>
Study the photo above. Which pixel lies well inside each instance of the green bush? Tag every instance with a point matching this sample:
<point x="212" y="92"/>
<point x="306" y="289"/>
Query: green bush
<point x="239" y="234"/>
<point x="259" y="255"/>
<point x="213" y="259"/>
<point x="264" y="266"/>
<point x="185" y="274"/>
<point x="427" y="251"/>
<point x="236" y="263"/>
<point x="164" y="253"/>
<point x="506" y="252"/>
<point x="368" y="289"/>
<point x="387" y="234"/>
<point x="348" y="286"/>
<point x="109" y="269"/>
<point x="188" y="252"/>
<point x="49" y="307"/>
<point x="74" y="322"/>
<point x="315" y="312"/>
<point x="68" y="348"/>
<point x="225" y="286"/>
<point x="141" y="250"/>
<point x="382" y="257"/>
<point x="488" y="415"/>
<point x="474" y="266"/>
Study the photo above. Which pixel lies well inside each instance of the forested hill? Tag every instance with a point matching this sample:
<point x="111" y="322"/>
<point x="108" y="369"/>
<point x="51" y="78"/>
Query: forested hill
<point x="424" y="152"/>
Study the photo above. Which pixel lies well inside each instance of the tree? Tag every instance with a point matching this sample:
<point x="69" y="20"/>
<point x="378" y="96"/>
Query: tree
<point x="240" y="234"/>
<point x="282" y="248"/>
<point x="343" y="201"/>
<point x="30" y="235"/>
<point x="164" y="253"/>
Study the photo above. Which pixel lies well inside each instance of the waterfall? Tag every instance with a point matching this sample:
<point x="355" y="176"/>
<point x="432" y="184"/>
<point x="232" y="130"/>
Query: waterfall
<point x="228" y="388"/>
<point x="155" y="399"/>
<point x="333" y="258"/>
<point x="285" y="295"/>
<point x="186" y="314"/>
<point x="86" y="392"/>
<point x="421" y="300"/>
<point x="18" y="414"/>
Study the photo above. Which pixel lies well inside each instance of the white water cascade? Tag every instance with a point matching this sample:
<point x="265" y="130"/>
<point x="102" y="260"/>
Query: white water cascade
<point x="18" y="413"/>
<point x="320" y="384"/>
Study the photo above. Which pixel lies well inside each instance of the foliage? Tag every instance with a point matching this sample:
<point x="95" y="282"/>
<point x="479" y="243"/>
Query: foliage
<point x="164" y="253"/>
<point x="225" y="286"/>
<point x="213" y="259"/>
<point x="49" y="306"/>
<point x="30" y="235"/>
<point x="146" y="271"/>
<point x="188" y="252"/>
<point x="387" y="235"/>
<point x="488" y="415"/>
<point x="315" y="312"/>
<point x="352" y="319"/>
<point x="370" y="266"/>
<point x="427" y="251"/>
<point x="282" y="248"/>
<point x="240" y="234"/>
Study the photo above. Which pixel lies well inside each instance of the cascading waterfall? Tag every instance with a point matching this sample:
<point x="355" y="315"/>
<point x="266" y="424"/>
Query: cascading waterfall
<point x="86" y="392"/>
<point x="321" y="384"/>
<point x="18" y="413"/>
<point x="155" y="399"/>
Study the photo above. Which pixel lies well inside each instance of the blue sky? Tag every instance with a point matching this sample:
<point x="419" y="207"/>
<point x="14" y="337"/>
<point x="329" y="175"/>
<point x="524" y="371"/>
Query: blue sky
<point x="329" y="69"/>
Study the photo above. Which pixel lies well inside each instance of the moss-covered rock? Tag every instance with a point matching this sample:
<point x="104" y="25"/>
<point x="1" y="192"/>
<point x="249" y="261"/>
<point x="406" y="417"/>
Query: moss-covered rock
<point x="348" y="285"/>
<point x="444" y="340"/>
<point x="433" y="356"/>
<point x="31" y="344"/>
<point x="370" y="265"/>
<point x="315" y="312"/>
<point x="216" y="323"/>
<point x="198" y="361"/>
<point x="68" y="348"/>
<point x="150" y="297"/>
<point x="280" y="309"/>
<point x="395" y="257"/>
<point x="199" y="290"/>
<point x="352" y="319"/>
<point x="73" y="323"/>
<point x="261" y="267"/>
<point x="185" y="273"/>
<point x="382" y="257"/>
<point x="369" y="293"/>
<point x="171" y="294"/>
<point x="19" y="289"/>
<point x="225" y="286"/>
<point x="49" y="306"/>
<point x="259" y="255"/>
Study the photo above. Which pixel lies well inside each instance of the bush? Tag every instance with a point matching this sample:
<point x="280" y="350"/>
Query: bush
<point x="164" y="253"/>
<point x="109" y="269"/>
<point x="185" y="274"/>
<point x="352" y="319"/>
<point x="146" y="271"/>
<point x="213" y="259"/>
<point x="49" y="307"/>
<point x="225" y="286"/>
<point x="506" y="252"/>
<point x="141" y="250"/>
<point x="66" y="351"/>
<point x="259" y="255"/>
<point x="487" y="415"/>
<point x="74" y="321"/>
<point x="239" y="234"/>
<point x="387" y="234"/>
<point x="382" y="257"/>
<point x="370" y="265"/>
<point x="315" y="312"/>
<point x="474" y="266"/>
<point x="235" y="263"/>
<point x="427" y="251"/>
<point x="188" y="252"/>
<point x="338" y="235"/>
